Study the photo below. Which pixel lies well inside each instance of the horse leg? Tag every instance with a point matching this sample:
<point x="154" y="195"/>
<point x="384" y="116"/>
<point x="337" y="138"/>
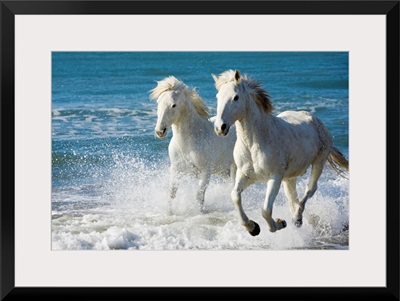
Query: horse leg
<point x="273" y="186"/>
<point x="174" y="178"/>
<point x="203" y="183"/>
<point x="233" y="171"/>
<point x="316" y="170"/>
<point x="291" y="194"/>
<point x="241" y="183"/>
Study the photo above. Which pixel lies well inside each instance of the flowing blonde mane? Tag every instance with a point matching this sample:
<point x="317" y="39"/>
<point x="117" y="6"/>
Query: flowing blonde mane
<point x="171" y="83"/>
<point x="260" y="96"/>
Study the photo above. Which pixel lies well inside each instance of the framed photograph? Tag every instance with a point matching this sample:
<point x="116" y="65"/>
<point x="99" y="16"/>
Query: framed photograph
<point x="194" y="149"/>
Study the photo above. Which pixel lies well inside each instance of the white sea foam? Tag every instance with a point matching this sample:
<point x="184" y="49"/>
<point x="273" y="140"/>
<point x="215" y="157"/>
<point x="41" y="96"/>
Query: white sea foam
<point x="101" y="122"/>
<point x="127" y="209"/>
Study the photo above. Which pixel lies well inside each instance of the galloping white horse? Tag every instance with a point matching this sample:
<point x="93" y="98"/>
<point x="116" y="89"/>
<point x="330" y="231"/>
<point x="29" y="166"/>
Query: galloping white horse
<point x="194" y="148"/>
<point x="271" y="149"/>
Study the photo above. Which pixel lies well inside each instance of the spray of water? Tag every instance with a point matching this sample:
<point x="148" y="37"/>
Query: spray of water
<point x="126" y="207"/>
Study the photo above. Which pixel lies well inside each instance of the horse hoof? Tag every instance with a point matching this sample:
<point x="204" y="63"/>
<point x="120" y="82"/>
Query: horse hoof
<point x="281" y="222"/>
<point x="256" y="230"/>
<point x="345" y="228"/>
<point x="298" y="223"/>
<point x="202" y="209"/>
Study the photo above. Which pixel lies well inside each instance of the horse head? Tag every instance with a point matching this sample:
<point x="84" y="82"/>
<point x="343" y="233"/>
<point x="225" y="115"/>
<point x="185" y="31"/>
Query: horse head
<point x="234" y="92"/>
<point x="231" y="100"/>
<point x="170" y="103"/>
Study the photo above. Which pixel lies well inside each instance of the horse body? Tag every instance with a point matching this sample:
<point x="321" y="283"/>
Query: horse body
<point x="271" y="149"/>
<point x="194" y="149"/>
<point x="281" y="153"/>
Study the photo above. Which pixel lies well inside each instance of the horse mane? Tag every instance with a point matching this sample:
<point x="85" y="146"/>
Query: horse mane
<point x="171" y="83"/>
<point x="260" y="96"/>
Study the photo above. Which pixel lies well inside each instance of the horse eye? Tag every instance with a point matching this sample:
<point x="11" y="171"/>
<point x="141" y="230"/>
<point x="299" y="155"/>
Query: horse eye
<point x="236" y="97"/>
<point x="174" y="105"/>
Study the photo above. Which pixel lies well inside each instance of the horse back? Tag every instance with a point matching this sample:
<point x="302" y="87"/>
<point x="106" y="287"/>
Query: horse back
<point x="305" y="138"/>
<point x="302" y="125"/>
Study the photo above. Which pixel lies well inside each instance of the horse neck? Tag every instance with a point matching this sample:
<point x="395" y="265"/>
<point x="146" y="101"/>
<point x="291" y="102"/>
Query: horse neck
<point x="255" y="125"/>
<point x="189" y="123"/>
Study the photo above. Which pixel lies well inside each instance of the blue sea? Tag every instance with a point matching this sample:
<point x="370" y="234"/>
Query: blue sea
<point x="110" y="173"/>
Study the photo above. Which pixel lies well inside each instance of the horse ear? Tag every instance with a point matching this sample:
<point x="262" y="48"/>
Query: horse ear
<point x="214" y="77"/>
<point x="237" y="76"/>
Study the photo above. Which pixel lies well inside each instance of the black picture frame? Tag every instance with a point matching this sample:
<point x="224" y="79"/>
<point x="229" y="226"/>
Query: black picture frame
<point x="11" y="8"/>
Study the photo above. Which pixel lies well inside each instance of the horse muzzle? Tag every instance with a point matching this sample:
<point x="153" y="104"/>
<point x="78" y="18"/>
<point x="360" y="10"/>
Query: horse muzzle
<point x="161" y="133"/>
<point x="221" y="130"/>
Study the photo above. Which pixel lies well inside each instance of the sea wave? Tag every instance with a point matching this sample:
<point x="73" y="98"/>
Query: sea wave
<point x="86" y="123"/>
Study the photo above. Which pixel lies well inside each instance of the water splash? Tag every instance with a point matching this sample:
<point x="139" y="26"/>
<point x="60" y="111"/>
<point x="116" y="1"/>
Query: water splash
<point x="126" y="207"/>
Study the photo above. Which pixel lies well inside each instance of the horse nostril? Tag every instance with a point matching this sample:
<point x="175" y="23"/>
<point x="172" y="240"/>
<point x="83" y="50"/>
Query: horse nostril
<point x="161" y="133"/>
<point x="223" y="127"/>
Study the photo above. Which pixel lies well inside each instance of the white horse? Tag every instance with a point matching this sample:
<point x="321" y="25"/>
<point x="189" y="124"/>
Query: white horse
<point x="194" y="148"/>
<point x="271" y="149"/>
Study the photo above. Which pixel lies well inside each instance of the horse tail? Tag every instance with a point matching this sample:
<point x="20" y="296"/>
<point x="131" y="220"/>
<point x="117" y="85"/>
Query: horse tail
<point x="338" y="162"/>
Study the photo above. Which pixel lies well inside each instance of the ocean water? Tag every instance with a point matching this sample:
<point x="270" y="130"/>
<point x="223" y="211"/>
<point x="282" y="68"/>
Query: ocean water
<point x="110" y="174"/>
